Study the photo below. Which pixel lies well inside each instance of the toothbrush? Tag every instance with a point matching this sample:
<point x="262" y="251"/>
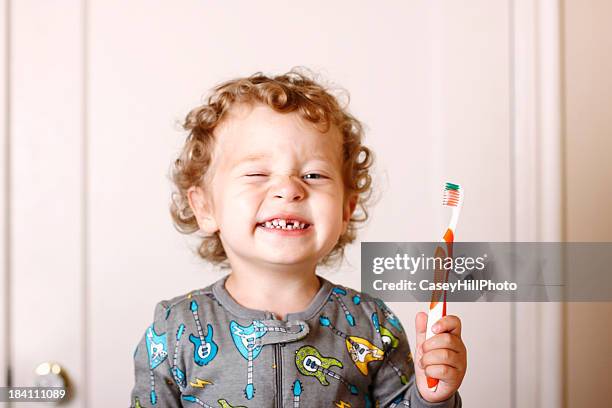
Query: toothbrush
<point x="453" y="198"/>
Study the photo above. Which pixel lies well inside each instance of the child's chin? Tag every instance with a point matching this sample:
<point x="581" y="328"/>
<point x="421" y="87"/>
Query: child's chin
<point x="284" y="260"/>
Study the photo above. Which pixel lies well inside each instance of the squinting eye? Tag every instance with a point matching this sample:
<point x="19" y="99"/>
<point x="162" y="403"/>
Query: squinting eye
<point x="256" y="175"/>
<point x="315" y="174"/>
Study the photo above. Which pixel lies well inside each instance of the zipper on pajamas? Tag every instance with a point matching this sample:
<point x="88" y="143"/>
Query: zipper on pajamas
<point x="278" y="362"/>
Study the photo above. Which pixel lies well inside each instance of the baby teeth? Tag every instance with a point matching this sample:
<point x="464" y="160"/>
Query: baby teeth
<point x="282" y="224"/>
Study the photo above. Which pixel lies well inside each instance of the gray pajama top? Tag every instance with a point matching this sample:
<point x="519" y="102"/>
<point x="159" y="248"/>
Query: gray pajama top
<point x="346" y="350"/>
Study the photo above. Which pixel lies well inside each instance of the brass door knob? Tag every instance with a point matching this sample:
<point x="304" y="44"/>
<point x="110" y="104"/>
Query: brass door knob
<point x="50" y="374"/>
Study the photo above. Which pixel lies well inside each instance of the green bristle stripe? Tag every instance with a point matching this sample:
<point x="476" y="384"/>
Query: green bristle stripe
<point x="451" y="186"/>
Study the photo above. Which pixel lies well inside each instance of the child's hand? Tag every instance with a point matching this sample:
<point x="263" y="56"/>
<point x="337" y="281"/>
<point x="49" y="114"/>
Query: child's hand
<point x="443" y="356"/>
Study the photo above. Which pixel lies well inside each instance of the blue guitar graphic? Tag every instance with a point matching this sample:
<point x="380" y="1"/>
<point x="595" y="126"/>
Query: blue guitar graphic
<point x="297" y="391"/>
<point x="204" y="348"/>
<point x="157" y="347"/>
<point x="177" y="373"/>
<point x="336" y="293"/>
<point x="389" y="316"/>
<point x="245" y="340"/>
<point x="399" y="400"/>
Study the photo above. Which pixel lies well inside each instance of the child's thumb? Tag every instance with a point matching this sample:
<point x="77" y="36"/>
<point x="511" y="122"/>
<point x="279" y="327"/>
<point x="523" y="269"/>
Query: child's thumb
<point x="420" y="323"/>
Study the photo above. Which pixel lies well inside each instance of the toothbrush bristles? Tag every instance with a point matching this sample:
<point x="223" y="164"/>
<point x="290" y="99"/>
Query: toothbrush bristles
<point x="452" y="195"/>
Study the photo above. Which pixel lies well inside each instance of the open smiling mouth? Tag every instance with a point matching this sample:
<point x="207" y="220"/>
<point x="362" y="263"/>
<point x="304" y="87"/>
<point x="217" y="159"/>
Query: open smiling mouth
<point x="284" y="225"/>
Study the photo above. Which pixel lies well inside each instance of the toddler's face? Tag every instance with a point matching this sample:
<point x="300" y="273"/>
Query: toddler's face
<point x="267" y="166"/>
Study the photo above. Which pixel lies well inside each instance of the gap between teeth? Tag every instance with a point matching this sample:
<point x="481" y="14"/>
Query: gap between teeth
<point x="282" y="225"/>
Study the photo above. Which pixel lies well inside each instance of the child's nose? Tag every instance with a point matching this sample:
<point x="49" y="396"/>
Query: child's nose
<point x="289" y="188"/>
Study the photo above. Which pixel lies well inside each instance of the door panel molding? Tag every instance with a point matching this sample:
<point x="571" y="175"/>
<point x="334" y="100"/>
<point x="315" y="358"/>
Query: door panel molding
<point x="46" y="124"/>
<point x="536" y="173"/>
<point x="5" y="350"/>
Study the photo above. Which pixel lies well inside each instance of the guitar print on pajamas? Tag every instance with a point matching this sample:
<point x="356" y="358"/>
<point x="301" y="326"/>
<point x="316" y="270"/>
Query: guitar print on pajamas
<point x="335" y="294"/>
<point x="310" y="362"/>
<point x="157" y="349"/>
<point x="297" y="391"/>
<point x="389" y="316"/>
<point x="390" y="343"/>
<point x="204" y="348"/>
<point x="222" y="403"/>
<point x="388" y="339"/>
<point x="400" y="401"/>
<point x="245" y="340"/>
<point x="361" y="350"/>
<point x="177" y="373"/>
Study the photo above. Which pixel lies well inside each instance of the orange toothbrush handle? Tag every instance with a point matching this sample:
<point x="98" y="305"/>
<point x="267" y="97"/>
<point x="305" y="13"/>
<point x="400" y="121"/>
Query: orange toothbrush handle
<point x="432" y="383"/>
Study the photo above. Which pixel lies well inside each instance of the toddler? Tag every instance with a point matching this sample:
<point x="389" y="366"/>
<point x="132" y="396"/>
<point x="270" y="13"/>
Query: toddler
<point x="271" y="173"/>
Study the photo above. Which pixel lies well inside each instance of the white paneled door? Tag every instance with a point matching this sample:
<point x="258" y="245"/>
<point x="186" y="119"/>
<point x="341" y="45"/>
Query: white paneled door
<point x="44" y="269"/>
<point x="93" y="94"/>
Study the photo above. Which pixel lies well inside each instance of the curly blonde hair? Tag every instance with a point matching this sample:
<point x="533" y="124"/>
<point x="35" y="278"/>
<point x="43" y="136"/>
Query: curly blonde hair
<point x="293" y="91"/>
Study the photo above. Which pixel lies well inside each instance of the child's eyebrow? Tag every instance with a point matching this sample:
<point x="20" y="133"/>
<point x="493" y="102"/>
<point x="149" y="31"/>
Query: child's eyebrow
<point x="251" y="158"/>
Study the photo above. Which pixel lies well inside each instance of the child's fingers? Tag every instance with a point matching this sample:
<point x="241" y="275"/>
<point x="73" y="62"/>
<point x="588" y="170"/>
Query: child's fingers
<point x="441" y="356"/>
<point x="420" y="323"/>
<point x="443" y="341"/>
<point x="443" y="372"/>
<point x="448" y="324"/>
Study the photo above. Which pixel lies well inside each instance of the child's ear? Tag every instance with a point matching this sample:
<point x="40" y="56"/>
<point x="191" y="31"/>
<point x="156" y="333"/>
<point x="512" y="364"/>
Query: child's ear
<point x="347" y="211"/>
<point x="202" y="209"/>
